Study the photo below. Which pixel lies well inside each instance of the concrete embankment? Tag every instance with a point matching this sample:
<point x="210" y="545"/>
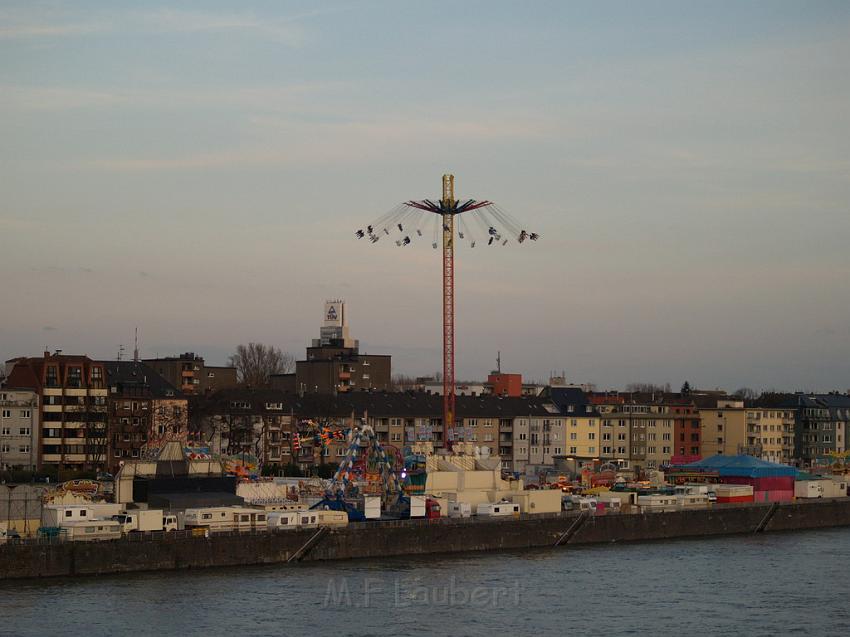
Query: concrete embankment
<point x="408" y="537"/>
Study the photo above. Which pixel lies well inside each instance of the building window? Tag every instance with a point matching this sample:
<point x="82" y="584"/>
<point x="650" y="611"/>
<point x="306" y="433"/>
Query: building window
<point x="24" y="431"/>
<point x="75" y="377"/>
<point x="25" y="413"/>
<point x="7" y="413"/>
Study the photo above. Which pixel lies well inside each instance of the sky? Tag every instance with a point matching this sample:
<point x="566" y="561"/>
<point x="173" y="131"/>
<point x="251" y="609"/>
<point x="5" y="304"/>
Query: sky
<point x="197" y="170"/>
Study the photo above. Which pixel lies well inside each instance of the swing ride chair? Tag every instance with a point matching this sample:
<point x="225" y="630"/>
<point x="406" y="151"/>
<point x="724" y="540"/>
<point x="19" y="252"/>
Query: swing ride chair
<point x="487" y="223"/>
<point x="367" y="468"/>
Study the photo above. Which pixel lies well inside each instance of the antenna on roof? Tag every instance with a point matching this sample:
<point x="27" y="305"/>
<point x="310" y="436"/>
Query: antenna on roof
<point x="136" y="347"/>
<point x="120" y="352"/>
<point x="499" y="362"/>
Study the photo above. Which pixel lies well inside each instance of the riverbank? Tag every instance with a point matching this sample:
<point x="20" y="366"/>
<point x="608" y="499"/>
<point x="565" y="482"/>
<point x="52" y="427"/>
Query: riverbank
<point x="409" y="537"/>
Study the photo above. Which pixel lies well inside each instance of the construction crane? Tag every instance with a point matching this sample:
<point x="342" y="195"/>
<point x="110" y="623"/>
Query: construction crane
<point x="406" y="223"/>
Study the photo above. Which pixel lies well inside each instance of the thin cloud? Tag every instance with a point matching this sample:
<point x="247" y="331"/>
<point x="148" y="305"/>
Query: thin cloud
<point x="179" y="21"/>
<point x="24" y="31"/>
<point x="39" y="23"/>
<point x="272" y="99"/>
<point x="286" y="143"/>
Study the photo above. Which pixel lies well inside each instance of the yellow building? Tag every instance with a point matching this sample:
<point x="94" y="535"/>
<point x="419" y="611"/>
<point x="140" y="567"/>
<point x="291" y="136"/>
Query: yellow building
<point x="724" y="428"/>
<point x="770" y="434"/>
<point x="584" y="436"/>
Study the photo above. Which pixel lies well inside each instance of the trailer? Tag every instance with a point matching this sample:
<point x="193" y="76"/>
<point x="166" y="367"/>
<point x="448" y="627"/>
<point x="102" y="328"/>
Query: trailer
<point x="692" y="500"/>
<point x="333" y="518"/>
<point x="284" y="520"/>
<point x="308" y="519"/>
<point x="417" y="506"/>
<point x="53" y="515"/>
<point x="733" y="493"/>
<point x="91" y="530"/>
<point x="657" y="502"/>
<point x="219" y="519"/>
<point x="497" y="509"/>
<point x="460" y="510"/>
<point x="249" y="520"/>
<point x="372" y="507"/>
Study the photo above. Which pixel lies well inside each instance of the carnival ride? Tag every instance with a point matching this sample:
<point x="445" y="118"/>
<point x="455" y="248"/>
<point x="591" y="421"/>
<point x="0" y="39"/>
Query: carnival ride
<point x="367" y="468"/>
<point x="496" y="228"/>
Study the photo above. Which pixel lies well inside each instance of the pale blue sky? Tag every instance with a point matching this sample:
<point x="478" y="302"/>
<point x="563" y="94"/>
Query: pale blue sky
<point x="197" y="170"/>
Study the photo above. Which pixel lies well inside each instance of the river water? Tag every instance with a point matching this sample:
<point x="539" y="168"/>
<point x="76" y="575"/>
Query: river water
<point x="771" y="584"/>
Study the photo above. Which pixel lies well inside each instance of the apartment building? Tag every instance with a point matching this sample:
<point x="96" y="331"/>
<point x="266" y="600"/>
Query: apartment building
<point x="723" y="427"/>
<point x="582" y="424"/>
<point x="144" y="412"/>
<point x="18" y="429"/>
<point x="521" y="431"/>
<point x="334" y="363"/>
<point x="254" y="422"/>
<point x="72" y="399"/>
<point x="821" y="427"/>
<point x="770" y="433"/>
<point x="615" y="433"/>
<point x="189" y="374"/>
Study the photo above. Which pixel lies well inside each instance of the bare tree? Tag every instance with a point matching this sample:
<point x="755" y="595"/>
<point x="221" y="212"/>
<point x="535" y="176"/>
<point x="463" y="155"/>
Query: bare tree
<point x="255" y="362"/>
<point x="745" y="393"/>
<point x="403" y="382"/>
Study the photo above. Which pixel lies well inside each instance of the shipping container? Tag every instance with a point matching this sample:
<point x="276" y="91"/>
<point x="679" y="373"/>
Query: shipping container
<point x="497" y="509"/>
<point x="777" y="495"/>
<point x="834" y="488"/>
<point x="460" y="509"/>
<point x="808" y="489"/>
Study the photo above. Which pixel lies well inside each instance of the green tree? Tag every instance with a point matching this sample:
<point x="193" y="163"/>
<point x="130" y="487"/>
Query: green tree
<point x="292" y="470"/>
<point x="326" y="471"/>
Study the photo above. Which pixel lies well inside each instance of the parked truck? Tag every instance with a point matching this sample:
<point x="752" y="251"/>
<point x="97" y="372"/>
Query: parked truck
<point x="424" y="507"/>
<point x="140" y="520"/>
